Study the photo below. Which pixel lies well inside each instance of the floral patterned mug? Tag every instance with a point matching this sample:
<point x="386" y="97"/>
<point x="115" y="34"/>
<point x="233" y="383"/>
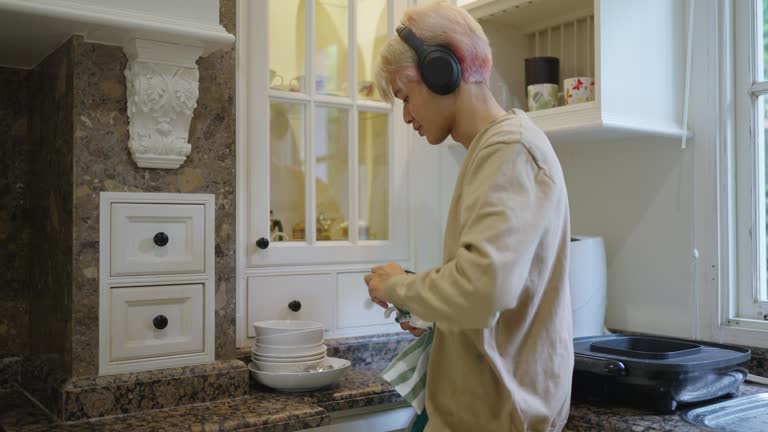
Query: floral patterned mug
<point x="578" y="90"/>
<point x="542" y="96"/>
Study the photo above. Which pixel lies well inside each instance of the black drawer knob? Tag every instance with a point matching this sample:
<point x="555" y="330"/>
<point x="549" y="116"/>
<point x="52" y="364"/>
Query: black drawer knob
<point x="160" y="322"/>
<point x="262" y="243"/>
<point x="160" y="239"/>
<point x="294" y="305"/>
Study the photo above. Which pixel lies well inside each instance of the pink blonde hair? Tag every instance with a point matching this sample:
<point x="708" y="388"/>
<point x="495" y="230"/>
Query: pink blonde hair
<point x="436" y="24"/>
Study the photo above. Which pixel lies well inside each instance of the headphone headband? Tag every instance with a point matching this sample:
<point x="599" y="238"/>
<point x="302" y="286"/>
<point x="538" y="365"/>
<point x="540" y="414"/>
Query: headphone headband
<point x="410" y="39"/>
<point x="440" y="70"/>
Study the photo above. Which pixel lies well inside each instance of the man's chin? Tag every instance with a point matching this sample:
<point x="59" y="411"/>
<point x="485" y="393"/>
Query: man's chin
<point x="436" y="141"/>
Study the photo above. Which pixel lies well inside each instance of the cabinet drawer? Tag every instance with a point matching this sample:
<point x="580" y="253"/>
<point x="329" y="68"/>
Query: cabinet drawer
<point x="355" y="308"/>
<point x="157" y="239"/>
<point x="156" y="321"/>
<point x="398" y="419"/>
<point x="271" y="297"/>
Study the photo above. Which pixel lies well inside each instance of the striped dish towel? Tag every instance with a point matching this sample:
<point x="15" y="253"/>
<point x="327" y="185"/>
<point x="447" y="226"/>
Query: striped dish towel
<point x="407" y="373"/>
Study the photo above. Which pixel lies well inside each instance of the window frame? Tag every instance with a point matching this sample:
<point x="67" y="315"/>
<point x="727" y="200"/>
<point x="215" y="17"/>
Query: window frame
<point x="746" y="308"/>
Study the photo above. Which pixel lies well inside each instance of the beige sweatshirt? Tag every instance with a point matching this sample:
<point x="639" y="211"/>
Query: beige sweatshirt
<point x="502" y="356"/>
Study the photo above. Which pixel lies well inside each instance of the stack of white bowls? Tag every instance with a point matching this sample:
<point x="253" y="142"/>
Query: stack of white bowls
<point x="288" y="346"/>
<point x="290" y="355"/>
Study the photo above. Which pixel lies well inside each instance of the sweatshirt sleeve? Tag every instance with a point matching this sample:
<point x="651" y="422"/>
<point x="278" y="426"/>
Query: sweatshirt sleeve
<point x="507" y="203"/>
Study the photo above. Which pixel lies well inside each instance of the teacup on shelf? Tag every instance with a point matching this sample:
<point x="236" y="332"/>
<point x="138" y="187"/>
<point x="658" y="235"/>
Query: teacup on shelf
<point x="579" y="90"/>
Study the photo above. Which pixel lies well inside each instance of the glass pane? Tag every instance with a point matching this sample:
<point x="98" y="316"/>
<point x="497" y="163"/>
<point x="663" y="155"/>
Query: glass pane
<point x="286" y="44"/>
<point x="761" y="55"/>
<point x="287" y="174"/>
<point x="373" y="151"/>
<point x="372" y="28"/>
<point x="332" y="173"/>
<point x="332" y="19"/>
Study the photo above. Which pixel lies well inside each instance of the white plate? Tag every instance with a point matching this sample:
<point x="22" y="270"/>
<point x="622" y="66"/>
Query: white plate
<point x="286" y="367"/>
<point x="288" y="352"/>
<point x="255" y="357"/>
<point x="288" y="333"/>
<point x="302" y="381"/>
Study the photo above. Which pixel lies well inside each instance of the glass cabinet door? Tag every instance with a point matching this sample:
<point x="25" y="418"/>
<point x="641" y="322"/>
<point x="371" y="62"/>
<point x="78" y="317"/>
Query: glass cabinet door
<point x="334" y="156"/>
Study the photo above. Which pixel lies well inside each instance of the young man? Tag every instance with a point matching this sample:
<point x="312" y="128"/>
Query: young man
<point x="502" y="355"/>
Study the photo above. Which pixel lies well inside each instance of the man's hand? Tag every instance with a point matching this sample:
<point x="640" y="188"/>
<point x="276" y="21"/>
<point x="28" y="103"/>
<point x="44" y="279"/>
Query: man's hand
<point x="405" y="325"/>
<point x="376" y="280"/>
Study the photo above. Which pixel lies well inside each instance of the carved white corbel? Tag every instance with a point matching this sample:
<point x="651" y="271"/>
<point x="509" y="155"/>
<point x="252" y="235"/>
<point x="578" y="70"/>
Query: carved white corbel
<point x="162" y="80"/>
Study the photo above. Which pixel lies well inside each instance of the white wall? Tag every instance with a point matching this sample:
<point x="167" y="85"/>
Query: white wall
<point x="639" y="195"/>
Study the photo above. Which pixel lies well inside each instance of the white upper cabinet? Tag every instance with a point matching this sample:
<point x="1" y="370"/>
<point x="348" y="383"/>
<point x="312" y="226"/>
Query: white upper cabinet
<point x="323" y="164"/>
<point x="326" y="157"/>
<point x="32" y="29"/>
<point x="634" y="50"/>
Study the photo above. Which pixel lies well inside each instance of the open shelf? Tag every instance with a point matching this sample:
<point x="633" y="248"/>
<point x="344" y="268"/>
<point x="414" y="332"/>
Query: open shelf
<point x="587" y="122"/>
<point x="528" y="15"/>
<point x="639" y="75"/>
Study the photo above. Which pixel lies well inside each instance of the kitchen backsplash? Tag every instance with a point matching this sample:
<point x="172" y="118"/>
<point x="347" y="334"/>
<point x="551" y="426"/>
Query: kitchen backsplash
<point x="15" y="147"/>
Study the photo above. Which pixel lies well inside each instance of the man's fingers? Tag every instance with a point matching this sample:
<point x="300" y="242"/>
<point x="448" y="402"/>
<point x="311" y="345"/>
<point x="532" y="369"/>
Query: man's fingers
<point x="417" y="331"/>
<point x="381" y="303"/>
<point x="405" y="325"/>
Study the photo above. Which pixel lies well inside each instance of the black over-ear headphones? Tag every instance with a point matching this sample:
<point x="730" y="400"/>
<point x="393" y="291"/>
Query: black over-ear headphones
<point x="438" y="66"/>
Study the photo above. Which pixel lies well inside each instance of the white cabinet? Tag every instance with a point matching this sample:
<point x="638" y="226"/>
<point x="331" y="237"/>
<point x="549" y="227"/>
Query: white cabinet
<point x="322" y="163"/>
<point x="157" y="239"/>
<point x="154" y="321"/>
<point x="156" y="281"/>
<point x="32" y="29"/>
<point x="372" y="419"/>
<point x="355" y="307"/>
<point x="390" y="420"/>
<point x="299" y="297"/>
<point x="635" y="51"/>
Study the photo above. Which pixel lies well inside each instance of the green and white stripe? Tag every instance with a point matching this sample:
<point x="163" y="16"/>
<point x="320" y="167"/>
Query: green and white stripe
<point x="407" y="373"/>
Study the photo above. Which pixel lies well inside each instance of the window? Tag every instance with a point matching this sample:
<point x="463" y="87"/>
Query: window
<point x="751" y="120"/>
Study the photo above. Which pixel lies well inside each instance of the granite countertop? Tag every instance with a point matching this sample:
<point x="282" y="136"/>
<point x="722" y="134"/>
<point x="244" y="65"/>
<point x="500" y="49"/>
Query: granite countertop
<point x="265" y="410"/>
<point x="261" y="410"/>
<point x="586" y="417"/>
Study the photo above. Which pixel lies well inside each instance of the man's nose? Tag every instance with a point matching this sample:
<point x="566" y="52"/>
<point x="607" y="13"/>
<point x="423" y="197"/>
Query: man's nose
<point x="407" y="117"/>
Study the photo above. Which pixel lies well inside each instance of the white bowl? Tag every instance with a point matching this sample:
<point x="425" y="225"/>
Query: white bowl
<point x="288" y="351"/>
<point x="255" y="357"/>
<point x="288" y="333"/>
<point x="286" y="367"/>
<point x="302" y="381"/>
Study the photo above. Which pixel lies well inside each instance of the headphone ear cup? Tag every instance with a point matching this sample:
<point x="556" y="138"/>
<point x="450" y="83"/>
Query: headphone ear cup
<point x="440" y="70"/>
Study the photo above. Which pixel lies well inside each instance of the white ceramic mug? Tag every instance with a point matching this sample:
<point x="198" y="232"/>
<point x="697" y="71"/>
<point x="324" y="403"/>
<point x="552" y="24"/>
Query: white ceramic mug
<point x="578" y="90"/>
<point x="297" y="84"/>
<point x="275" y="80"/>
<point x="542" y="96"/>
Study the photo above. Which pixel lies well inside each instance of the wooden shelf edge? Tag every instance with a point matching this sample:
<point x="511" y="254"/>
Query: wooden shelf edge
<point x="588" y="123"/>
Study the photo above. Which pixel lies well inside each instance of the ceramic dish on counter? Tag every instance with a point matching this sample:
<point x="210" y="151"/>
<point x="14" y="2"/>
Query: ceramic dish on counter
<point x="287" y="367"/>
<point x="288" y="333"/>
<point x="288" y="351"/>
<point x="302" y="381"/>
<point x="255" y="357"/>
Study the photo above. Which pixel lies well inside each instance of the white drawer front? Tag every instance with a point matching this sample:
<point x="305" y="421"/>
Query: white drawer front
<point x="137" y="312"/>
<point x="157" y="239"/>
<point x="269" y="298"/>
<point x="355" y="308"/>
<point x="398" y="419"/>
